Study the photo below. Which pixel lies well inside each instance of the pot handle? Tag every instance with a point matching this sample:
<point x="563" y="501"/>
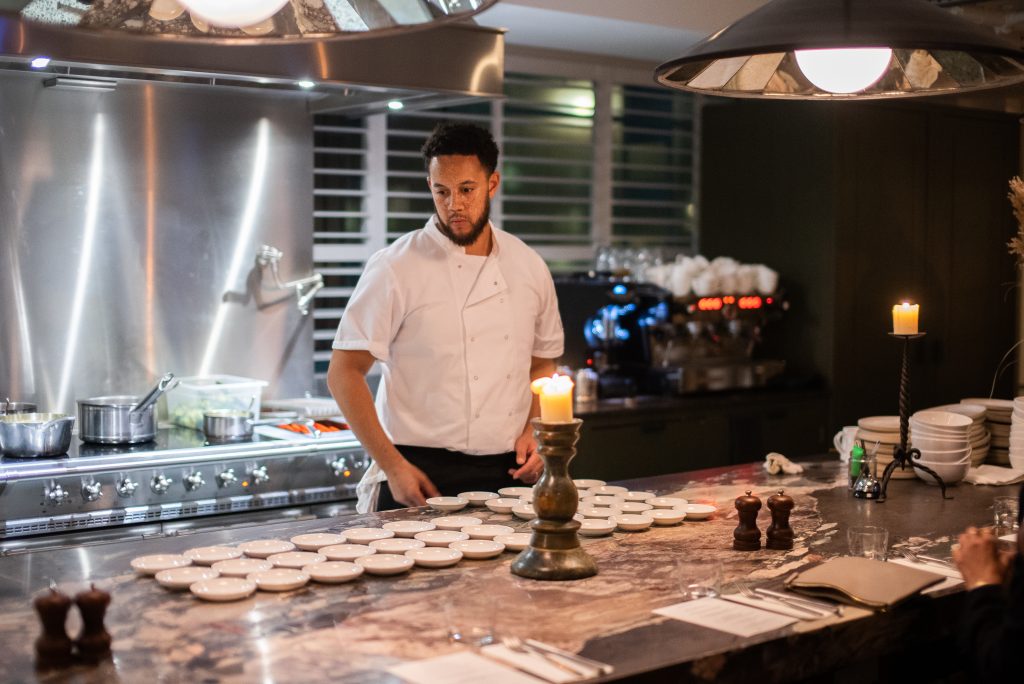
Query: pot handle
<point x="166" y="384"/>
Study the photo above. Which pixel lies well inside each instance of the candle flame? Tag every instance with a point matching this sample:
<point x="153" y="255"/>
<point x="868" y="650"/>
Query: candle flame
<point x="556" y="384"/>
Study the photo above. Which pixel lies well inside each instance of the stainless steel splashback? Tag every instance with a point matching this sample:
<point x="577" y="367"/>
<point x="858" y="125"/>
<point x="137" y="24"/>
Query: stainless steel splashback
<point x="129" y="225"/>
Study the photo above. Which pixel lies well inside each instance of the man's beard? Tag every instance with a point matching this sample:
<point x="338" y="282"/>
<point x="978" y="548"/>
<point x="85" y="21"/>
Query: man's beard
<point x="470" y="237"/>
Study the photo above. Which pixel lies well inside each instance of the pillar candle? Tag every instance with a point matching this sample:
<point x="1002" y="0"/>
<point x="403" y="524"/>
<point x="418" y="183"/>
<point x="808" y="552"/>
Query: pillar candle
<point x="555" y="398"/>
<point x="904" y="318"/>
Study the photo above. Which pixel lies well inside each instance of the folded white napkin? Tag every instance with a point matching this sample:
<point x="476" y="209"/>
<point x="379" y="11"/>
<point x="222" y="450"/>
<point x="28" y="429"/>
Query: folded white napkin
<point x="994" y="475"/>
<point x="776" y="464"/>
<point x="538" y="665"/>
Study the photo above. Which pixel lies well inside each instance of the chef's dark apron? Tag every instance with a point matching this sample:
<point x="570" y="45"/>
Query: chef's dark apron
<point x="453" y="472"/>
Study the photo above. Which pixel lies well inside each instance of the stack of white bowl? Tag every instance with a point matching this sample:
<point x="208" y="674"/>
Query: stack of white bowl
<point x="942" y="438"/>
<point x="978" y="432"/>
<point x="885" y="432"/>
<point x="998" y="416"/>
<point x="1017" y="435"/>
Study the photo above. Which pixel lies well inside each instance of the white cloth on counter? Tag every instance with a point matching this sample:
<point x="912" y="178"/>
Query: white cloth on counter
<point x="994" y="475"/>
<point x="777" y="464"/>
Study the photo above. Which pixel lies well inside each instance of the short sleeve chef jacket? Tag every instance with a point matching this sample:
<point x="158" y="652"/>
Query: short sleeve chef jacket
<point x="454" y="334"/>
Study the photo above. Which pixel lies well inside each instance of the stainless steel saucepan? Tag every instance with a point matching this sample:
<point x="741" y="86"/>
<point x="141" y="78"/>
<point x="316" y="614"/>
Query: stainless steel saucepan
<point x="9" y="407"/>
<point x="35" y="435"/>
<point x="121" y="419"/>
<point x="235" y="425"/>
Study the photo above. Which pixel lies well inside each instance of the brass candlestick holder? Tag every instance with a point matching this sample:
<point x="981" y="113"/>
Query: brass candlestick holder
<point x="554" y="552"/>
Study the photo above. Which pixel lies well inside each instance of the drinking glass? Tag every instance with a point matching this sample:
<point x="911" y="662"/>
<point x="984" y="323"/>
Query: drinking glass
<point x="699" y="579"/>
<point x="1006" y="510"/>
<point x="470" y="619"/>
<point x="868" y="541"/>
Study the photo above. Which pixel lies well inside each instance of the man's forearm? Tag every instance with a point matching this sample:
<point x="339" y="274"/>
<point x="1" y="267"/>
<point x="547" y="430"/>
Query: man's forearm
<point x="353" y="396"/>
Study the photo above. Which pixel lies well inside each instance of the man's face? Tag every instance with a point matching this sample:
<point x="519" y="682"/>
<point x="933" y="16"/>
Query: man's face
<point x="462" y="192"/>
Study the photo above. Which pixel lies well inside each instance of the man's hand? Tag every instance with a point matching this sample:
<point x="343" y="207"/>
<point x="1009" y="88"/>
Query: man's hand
<point x="410" y="486"/>
<point x="979" y="559"/>
<point x="526" y="456"/>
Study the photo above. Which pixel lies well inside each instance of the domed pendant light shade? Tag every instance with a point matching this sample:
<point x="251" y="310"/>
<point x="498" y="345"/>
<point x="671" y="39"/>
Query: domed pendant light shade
<point x="846" y="49"/>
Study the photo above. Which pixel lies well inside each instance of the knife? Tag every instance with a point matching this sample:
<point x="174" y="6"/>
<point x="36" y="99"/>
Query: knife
<point x="773" y="606"/>
<point x="827" y="608"/>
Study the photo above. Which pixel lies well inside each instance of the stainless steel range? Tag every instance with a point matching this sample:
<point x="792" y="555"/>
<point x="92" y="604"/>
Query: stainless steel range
<point x="177" y="476"/>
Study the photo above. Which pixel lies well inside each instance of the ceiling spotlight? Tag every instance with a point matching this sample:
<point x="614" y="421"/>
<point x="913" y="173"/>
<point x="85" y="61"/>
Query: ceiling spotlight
<point x="40" y="62"/>
<point x="395" y="105"/>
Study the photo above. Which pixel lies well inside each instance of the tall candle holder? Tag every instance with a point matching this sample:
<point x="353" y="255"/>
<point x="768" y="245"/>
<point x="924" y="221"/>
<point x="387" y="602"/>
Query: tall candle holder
<point x="902" y="456"/>
<point x="554" y="552"/>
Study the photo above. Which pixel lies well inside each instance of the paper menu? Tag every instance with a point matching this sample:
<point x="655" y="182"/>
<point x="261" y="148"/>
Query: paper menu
<point x="724" y="616"/>
<point x="459" y="668"/>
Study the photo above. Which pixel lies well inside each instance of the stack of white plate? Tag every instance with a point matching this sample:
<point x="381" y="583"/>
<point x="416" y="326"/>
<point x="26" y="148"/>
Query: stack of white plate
<point x="978" y="432"/>
<point x="998" y="416"/>
<point x="942" y="438"/>
<point x="1016" y="455"/>
<point x="885" y="432"/>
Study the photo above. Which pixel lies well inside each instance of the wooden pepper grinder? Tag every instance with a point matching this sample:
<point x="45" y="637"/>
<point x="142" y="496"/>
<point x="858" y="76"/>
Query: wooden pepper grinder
<point x="779" y="534"/>
<point x="746" y="536"/>
<point x="94" y="641"/>
<point x="53" y="647"/>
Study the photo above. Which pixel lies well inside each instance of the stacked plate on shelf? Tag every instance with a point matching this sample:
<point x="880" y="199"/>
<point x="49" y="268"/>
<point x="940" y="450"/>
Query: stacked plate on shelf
<point x="1016" y="454"/>
<point x="977" y="433"/>
<point x="883" y="431"/>
<point x="998" y="416"/>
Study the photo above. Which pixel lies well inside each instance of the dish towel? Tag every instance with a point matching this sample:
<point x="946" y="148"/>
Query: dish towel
<point x="776" y="464"/>
<point x="994" y="475"/>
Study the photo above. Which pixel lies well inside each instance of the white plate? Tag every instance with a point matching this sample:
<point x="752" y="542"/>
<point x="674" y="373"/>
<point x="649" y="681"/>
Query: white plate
<point x="317" y="540"/>
<point x="502" y="505"/>
<point x="296" y="560"/>
<point x="517" y="541"/>
<point x="447" y="503"/>
<point x="487" y="531"/>
<point x="279" y="579"/>
<point x="478" y="498"/>
<point x="333" y="572"/>
<point x="667" y="502"/>
<point x="997" y="404"/>
<point x="478" y="549"/>
<point x="596" y="527"/>
<point x="600" y="500"/>
<point x="346" y="552"/>
<point x="514" y="492"/>
<point x="241" y="567"/>
<point x="455" y="522"/>
<point x="183" y="578"/>
<point x="261" y="548"/>
<point x="633" y="506"/>
<point x="607" y="490"/>
<point x="588" y="484"/>
<point x="408" y="528"/>
<point x="208" y="555"/>
<point x="667" y="516"/>
<point x="637" y="496"/>
<point x="526" y="498"/>
<point x="632" y="522"/>
<point x="591" y="512"/>
<point x="365" y="535"/>
<point x="385" y="564"/>
<point x="434" y="556"/>
<point x="150" y="565"/>
<point x="397" y="546"/>
<point x="880" y="423"/>
<point x="699" y="511"/>
<point x="441" y="537"/>
<point x="524" y="511"/>
<point x="223" y="589"/>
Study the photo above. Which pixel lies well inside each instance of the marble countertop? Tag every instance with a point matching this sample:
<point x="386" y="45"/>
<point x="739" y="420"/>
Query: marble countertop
<point x="354" y="631"/>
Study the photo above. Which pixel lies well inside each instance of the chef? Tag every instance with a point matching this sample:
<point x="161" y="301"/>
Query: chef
<point x="460" y="316"/>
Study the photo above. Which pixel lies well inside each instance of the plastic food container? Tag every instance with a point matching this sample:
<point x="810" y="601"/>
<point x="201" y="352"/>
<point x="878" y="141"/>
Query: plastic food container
<point x="196" y="395"/>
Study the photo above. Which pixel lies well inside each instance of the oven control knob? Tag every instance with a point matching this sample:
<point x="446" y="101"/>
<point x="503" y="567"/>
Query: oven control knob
<point x="92" y="491"/>
<point x="160" y="483"/>
<point x="259" y="474"/>
<point x="56" y="494"/>
<point x="227" y="478"/>
<point x="126" y="487"/>
<point x="194" y="481"/>
<point x="340" y="467"/>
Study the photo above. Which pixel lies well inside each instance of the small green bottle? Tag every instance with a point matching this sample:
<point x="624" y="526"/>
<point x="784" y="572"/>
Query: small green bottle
<point x="856" y="459"/>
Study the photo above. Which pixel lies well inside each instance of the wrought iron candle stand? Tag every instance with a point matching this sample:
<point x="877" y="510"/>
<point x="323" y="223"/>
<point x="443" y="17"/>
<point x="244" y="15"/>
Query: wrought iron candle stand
<point x="902" y="456"/>
<point x="554" y="552"/>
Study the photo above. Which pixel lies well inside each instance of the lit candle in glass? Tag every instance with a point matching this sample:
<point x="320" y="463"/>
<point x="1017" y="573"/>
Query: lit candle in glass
<point x="904" y="319"/>
<point x="555" y="398"/>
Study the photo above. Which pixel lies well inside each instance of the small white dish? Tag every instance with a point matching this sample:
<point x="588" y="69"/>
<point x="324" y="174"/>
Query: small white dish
<point x="177" y="579"/>
<point x="600" y="500"/>
<point x="591" y="512"/>
<point x="455" y="522"/>
<point x="385" y="564"/>
<point x="317" y="540"/>
<point x="666" y="502"/>
<point x="434" y="556"/>
<point x="634" y="506"/>
<point x="441" y="537"/>
<point x="333" y="572"/>
<point x="208" y="555"/>
<point x="365" y="535"/>
<point x="223" y="589"/>
<point x="261" y="548"/>
<point x="527" y="498"/>
<point x="637" y="496"/>
<point x="517" y="541"/>
<point x="478" y="498"/>
<point x="596" y="527"/>
<point x="579" y="516"/>
<point x="241" y="567"/>
<point x="346" y="552"/>
<point x="150" y="565"/>
<point x="524" y="511"/>
<point x="607" y="490"/>
<point x="397" y="546"/>
<point x="699" y="511"/>
<point x="632" y="522"/>
<point x="667" y="516"/>
<point x="515" y="492"/>
<point x="502" y="505"/>
<point x="279" y="579"/>
<point x="478" y="549"/>
<point x="296" y="560"/>
<point x="407" y="529"/>
<point x="447" y="504"/>
<point x="487" y="531"/>
<point x="588" y="484"/>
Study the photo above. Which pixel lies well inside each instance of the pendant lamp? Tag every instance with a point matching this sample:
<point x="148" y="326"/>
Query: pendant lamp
<point x="846" y="49"/>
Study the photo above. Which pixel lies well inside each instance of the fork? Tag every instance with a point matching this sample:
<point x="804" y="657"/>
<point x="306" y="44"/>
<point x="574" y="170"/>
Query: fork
<point x="749" y="593"/>
<point x="916" y="558"/>
<point x="516" y="644"/>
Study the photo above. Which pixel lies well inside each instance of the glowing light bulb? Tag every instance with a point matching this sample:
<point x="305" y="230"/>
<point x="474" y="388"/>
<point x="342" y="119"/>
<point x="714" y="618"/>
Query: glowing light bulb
<point x="844" y="70"/>
<point x="234" y="13"/>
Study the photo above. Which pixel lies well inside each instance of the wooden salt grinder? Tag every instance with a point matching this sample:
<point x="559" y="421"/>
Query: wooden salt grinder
<point x="94" y="641"/>
<point x="53" y="647"/>
<point x="746" y="536"/>
<point x="779" y="534"/>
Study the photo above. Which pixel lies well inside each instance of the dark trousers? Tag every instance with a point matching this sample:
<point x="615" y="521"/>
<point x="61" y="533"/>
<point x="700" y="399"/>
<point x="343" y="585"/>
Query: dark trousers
<point x="453" y="472"/>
